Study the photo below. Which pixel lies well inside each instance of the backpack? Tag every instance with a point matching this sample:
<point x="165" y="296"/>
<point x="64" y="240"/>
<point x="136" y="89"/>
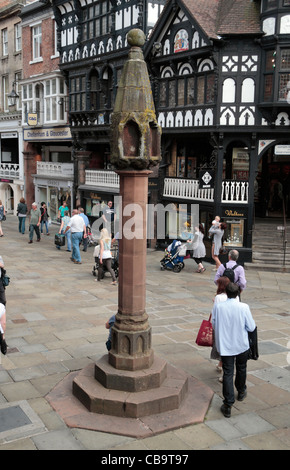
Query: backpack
<point x="229" y="272"/>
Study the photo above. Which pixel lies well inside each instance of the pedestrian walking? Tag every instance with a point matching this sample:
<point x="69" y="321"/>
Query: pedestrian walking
<point x="231" y="322"/>
<point x="22" y="213"/>
<point x="217" y="231"/>
<point x="86" y="221"/>
<point x="238" y="274"/>
<point x="61" y="210"/>
<point x="34" y="222"/>
<point x="44" y="218"/>
<point x="221" y="296"/>
<point x="105" y="256"/>
<point x="64" y="223"/>
<point x="199" y="251"/>
<point x="78" y="230"/>
<point x="109" y="217"/>
<point x="2" y="217"/>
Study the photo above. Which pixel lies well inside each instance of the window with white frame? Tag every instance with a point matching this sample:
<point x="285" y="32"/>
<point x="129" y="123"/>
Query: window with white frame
<point x="17" y="37"/>
<point x="36" y="42"/>
<point x="4" y="94"/>
<point x="17" y="78"/>
<point x="54" y="100"/>
<point x="4" y="42"/>
<point x="47" y="99"/>
<point x="27" y="101"/>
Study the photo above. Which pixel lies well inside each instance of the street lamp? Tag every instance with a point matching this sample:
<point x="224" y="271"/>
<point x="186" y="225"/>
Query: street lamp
<point x="12" y="96"/>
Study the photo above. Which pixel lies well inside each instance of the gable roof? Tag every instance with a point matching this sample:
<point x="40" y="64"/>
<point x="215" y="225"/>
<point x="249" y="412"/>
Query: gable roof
<point x="217" y="17"/>
<point x="223" y="17"/>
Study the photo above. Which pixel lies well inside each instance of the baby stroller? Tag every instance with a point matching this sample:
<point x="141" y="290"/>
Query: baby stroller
<point x="174" y="255"/>
<point x="115" y="263"/>
<point x="91" y="240"/>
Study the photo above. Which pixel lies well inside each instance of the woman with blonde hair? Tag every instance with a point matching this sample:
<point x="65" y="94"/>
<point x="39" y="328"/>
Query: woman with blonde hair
<point x="105" y="256"/>
<point x="2" y="215"/>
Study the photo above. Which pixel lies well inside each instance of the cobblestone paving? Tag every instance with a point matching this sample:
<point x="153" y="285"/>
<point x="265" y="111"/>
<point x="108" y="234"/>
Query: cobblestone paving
<point x="55" y="324"/>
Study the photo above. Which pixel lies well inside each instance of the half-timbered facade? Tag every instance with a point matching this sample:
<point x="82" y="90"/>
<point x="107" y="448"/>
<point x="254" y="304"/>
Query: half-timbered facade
<point x="93" y="47"/>
<point x="221" y="81"/>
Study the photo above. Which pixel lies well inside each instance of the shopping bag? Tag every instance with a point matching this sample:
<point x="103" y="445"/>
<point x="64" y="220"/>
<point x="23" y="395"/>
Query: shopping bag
<point x="59" y="239"/>
<point x="205" y="334"/>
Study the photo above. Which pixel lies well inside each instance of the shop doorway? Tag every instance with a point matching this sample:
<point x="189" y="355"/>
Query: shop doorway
<point x="272" y="184"/>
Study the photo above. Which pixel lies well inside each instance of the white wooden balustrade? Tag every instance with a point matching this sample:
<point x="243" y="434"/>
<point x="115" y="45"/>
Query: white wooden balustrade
<point x="186" y="189"/>
<point x="235" y="192"/>
<point x="105" y="178"/>
<point x="9" y="170"/>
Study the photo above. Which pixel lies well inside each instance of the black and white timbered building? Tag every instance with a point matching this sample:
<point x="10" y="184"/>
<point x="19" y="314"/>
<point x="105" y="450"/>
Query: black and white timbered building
<point x="221" y="79"/>
<point x="220" y="72"/>
<point x="92" y="42"/>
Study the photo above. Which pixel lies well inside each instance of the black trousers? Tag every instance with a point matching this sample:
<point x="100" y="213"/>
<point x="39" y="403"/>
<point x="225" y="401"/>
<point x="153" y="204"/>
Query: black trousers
<point x="228" y="377"/>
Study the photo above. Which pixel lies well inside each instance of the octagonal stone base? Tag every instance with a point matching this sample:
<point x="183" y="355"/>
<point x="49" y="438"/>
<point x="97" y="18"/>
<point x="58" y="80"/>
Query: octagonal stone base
<point x="192" y="408"/>
<point x="167" y="393"/>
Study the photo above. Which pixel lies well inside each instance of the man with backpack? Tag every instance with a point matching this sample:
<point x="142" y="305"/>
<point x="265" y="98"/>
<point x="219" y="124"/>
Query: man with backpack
<point x="233" y="271"/>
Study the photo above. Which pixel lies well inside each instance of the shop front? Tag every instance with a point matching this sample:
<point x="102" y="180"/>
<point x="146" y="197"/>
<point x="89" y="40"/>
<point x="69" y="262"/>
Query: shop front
<point x="236" y="235"/>
<point x="53" y="191"/>
<point x="50" y="167"/>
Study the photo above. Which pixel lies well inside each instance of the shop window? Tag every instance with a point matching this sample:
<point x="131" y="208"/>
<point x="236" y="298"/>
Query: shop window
<point x="234" y="233"/>
<point x="181" y="220"/>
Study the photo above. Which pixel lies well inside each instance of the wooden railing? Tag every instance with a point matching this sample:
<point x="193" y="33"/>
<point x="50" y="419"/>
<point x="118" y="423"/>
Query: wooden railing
<point x="186" y="189"/>
<point x="235" y="192"/>
<point x="9" y="170"/>
<point x="105" y="178"/>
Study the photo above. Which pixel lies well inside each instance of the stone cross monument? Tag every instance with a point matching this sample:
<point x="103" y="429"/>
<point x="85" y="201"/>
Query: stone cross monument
<point x="130" y="382"/>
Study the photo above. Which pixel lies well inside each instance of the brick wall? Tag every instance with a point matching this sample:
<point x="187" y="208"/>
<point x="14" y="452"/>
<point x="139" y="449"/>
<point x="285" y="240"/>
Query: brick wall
<point x="48" y="50"/>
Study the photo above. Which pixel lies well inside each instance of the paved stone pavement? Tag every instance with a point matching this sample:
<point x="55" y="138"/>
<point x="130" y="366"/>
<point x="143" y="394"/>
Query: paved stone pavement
<point x="55" y="324"/>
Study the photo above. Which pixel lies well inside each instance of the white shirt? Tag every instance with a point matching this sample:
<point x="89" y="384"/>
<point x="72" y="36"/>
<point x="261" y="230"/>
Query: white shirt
<point x="76" y="223"/>
<point x="231" y="321"/>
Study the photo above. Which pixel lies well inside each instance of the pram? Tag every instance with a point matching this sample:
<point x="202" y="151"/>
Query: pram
<point x="174" y="255"/>
<point x="91" y="240"/>
<point x="115" y="263"/>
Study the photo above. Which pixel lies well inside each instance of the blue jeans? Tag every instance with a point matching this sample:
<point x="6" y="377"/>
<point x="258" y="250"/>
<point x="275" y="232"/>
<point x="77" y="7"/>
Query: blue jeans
<point x="76" y="238"/>
<point x="68" y="240"/>
<point x="21" y="226"/>
<point x="46" y="226"/>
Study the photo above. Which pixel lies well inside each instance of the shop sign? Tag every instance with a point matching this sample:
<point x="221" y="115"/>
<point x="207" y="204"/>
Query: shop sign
<point x="282" y="150"/>
<point x="47" y="134"/>
<point x="32" y="119"/>
<point x="234" y="213"/>
<point x="153" y="183"/>
<point x="9" y="135"/>
<point x="206" y="179"/>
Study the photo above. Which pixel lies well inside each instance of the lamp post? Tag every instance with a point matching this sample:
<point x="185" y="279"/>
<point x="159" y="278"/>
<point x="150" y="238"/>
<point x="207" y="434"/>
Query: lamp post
<point x="12" y="96"/>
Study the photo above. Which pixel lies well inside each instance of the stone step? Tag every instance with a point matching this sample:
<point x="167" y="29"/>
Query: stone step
<point x="266" y="267"/>
<point x="98" y="399"/>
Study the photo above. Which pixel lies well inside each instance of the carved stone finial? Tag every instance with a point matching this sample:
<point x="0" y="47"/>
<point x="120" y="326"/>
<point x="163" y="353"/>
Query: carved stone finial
<point x="135" y="133"/>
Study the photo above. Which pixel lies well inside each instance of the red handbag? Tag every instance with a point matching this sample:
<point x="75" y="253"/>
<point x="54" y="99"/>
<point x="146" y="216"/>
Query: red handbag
<point x="205" y="334"/>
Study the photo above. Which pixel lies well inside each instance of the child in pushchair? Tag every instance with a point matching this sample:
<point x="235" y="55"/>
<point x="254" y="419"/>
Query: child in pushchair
<point x="174" y="255"/>
<point x="115" y="264"/>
